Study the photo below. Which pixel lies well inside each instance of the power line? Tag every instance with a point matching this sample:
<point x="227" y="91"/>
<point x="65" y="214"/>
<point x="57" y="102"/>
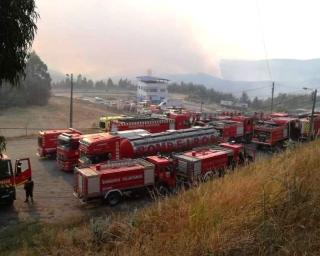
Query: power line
<point x="252" y="89"/>
<point x="290" y="87"/>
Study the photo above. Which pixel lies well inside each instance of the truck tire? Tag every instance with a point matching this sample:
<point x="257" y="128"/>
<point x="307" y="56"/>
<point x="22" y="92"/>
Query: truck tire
<point x="164" y="191"/>
<point x="208" y="176"/>
<point x="114" y="198"/>
<point x="10" y="202"/>
<point x="248" y="138"/>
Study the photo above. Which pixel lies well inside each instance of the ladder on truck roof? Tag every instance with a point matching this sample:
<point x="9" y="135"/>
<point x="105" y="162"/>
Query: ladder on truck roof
<point x="140" y="119"/>
<point x="118" y="163"/>
<point x="125" y="162"/>
<point x="164" y="136"/>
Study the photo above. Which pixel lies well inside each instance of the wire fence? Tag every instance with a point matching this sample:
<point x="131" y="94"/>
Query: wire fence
<point x="10" y="132"/>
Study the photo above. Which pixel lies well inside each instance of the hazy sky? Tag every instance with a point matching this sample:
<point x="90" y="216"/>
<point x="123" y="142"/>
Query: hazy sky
<point x="102" y="38"/>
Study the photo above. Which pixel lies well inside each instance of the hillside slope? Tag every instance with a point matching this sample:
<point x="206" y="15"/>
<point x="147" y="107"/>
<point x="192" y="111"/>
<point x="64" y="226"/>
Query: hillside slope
<point x="270" y="208"/>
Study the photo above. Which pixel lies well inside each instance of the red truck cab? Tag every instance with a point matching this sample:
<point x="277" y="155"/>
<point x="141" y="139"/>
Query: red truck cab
<point x="10" y="178"/>
<point x="68" y="151"/>
<point x="48" y="139"/>
<point x="165" y="171"/>
<point x="99" y="147"/>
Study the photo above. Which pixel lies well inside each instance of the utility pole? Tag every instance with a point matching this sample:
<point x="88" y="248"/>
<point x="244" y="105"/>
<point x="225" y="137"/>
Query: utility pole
<point x="71" y="101"/>
<point x="311" y="127"/>
<point x="272" y="94"/>
<point x="201" y="106"/>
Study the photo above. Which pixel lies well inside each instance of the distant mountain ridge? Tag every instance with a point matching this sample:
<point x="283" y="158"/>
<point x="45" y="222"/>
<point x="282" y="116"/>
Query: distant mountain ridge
<point x="282" y="70"/>
<point x="218" y="84"/>
<point x="250" y="76"/>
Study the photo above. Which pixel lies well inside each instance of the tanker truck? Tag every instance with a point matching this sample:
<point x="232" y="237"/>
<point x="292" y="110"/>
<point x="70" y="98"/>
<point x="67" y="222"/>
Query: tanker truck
<point x="96" y="148"/>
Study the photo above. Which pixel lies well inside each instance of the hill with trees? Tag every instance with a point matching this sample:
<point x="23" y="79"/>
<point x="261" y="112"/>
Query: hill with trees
<point x="81" y="82"/>
<point x="33" y="89"/>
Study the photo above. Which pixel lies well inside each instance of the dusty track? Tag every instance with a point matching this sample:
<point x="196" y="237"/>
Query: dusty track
<point x="53" y="191"/>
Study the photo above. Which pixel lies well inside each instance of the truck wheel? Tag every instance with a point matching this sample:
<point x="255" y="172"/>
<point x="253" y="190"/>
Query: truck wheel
<point x="163" y="190"/>
<point x="221" y="172"/>
<point x="10" y="202"/>
<point x="113" y="198"/>
<point x="208" y="176"/>
<point x="248" y="138"/>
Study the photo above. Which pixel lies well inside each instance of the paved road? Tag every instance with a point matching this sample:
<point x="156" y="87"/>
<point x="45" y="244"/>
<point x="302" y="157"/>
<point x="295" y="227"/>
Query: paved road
<point x="53" y="191"/>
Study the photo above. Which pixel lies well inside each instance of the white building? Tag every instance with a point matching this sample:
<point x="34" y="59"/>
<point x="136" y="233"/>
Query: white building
<point x="153" y="89"/>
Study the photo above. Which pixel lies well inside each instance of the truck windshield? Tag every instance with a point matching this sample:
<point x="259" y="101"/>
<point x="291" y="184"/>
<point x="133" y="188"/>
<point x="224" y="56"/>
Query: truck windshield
<point x="68" y="144"/>
<point x="40" y="141"/>
<point x="261" y="135"/>
<point x="102" y="125"/>
<point x="5" y="169"/>
<point x="84" y="158"/>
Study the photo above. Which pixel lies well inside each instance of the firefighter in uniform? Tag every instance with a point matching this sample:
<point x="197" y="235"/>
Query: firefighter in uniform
<point x="28" y="187"/>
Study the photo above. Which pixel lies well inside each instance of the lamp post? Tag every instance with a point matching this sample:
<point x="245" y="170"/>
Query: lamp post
<point x="71" y="99"/>
<point x="314" y="98"/>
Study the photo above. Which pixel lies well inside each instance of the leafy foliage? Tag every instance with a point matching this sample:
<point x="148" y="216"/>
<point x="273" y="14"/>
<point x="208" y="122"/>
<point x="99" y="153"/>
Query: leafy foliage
<point x="34" y="89"/>
<point x="200" y="92"/>
<point x="18" y="28"/>
<point x="81" y="82"/>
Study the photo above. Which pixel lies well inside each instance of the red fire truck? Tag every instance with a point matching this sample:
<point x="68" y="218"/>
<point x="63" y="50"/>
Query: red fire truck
<point x="248" y="124"/>
<point x="47" y="141"/>
<point x="270" y="134"/>
<point x="151" y="124"/>
<point x="96" y="148"/>
<point x="10" y="178"/>
<point x="305" y="126"/>
<point x="68" y="151"/>
<point x="173" y="121"/>
<point x="229" y="130"/>
<point x="114" y="179"/>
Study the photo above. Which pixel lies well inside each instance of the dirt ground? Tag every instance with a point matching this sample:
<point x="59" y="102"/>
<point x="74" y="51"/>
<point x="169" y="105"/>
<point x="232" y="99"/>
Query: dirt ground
<point x="53" y="192"/>
<point x="54" y="115"/>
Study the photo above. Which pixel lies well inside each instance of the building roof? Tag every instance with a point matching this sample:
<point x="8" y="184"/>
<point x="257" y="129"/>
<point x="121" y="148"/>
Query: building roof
<point x="152" y="79"/>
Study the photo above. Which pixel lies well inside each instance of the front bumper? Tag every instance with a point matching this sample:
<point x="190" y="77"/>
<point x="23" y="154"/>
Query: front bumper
<point x="66" y="166"/>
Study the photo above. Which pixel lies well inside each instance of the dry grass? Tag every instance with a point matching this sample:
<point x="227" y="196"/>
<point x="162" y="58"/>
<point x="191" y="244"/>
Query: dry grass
<point x="271" y="208"/>
<point x="54" y="115"/>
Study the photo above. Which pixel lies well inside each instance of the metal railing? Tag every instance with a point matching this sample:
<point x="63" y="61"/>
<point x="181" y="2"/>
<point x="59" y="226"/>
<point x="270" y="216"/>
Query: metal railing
<point x="10" y="132"/>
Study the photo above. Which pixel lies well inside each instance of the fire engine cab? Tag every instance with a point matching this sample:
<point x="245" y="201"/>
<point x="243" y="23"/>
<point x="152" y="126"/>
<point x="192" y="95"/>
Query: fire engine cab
<point x="10" y="178"/>
<point x="47" y="141"/>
